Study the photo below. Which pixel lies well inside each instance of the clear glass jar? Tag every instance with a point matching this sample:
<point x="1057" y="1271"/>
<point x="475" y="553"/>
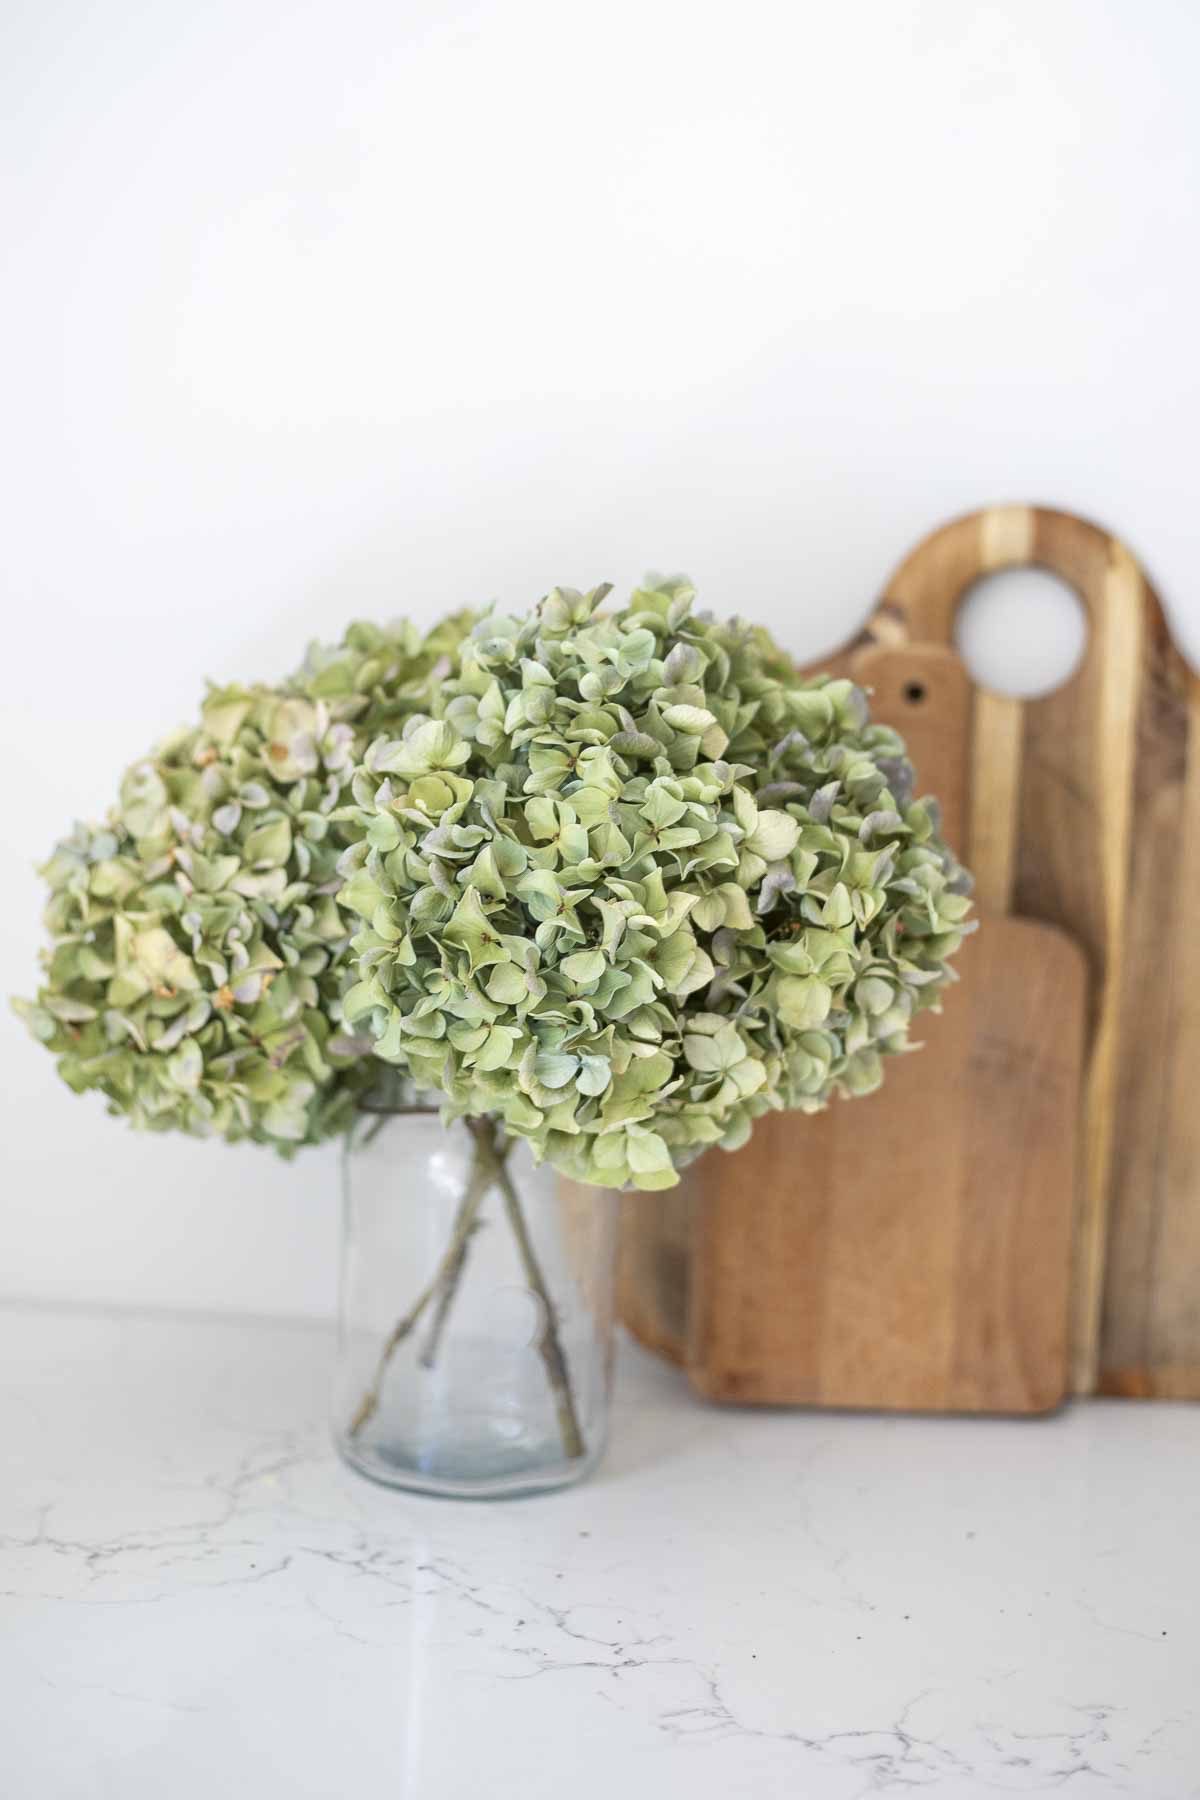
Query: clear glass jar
<point x="477" y="1310"/>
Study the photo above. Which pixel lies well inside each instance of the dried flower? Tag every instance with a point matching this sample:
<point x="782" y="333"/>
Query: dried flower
<point x="197" y="943"/>
<point x="628" y="881"/>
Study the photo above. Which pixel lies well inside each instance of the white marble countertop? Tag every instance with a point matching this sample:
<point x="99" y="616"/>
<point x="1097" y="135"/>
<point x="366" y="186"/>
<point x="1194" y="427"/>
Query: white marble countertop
<point x="196" y="1599"/>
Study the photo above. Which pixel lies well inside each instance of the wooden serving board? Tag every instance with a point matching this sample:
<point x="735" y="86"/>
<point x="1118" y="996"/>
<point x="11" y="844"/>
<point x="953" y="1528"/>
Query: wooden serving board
<point x="920" y="1260"/>
<point x="913" y="1250"/>
<point x="1080" y="809"/>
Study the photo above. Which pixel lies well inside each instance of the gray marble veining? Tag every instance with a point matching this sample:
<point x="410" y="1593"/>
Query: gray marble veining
<point x="196" y="1598"/>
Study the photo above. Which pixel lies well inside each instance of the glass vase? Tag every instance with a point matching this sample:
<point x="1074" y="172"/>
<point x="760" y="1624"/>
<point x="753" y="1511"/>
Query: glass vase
<point x="477" y="1306"/>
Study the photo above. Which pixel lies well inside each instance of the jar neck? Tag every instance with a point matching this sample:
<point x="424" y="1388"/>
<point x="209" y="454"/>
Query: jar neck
<point x="392" y="1091"/>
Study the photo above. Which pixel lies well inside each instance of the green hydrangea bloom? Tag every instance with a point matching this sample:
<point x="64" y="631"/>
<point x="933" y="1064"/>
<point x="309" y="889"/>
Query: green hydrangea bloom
<point x="197" y="942"/>
<point x="630" y="881"/>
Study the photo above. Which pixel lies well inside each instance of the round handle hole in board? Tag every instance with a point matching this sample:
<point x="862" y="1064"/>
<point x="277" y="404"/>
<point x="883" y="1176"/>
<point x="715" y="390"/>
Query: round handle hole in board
<point x="1021" y="632"/>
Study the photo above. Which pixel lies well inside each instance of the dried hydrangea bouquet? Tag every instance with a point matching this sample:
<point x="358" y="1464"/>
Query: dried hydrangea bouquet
<point x="532" y="910"/>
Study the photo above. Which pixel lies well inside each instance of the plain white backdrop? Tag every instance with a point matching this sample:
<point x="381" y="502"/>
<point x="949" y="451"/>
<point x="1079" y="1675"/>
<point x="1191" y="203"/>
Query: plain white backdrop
<point x="319" y="311"/>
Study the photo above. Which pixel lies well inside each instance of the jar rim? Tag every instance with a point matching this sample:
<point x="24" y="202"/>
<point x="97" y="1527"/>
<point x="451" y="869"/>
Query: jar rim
<point x="381" y="1104"/>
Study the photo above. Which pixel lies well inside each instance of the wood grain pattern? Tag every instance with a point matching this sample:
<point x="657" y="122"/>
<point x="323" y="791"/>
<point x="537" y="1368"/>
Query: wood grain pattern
<point x="1150" y="1334"/>
<point x="920" y="1261"/>
<point x="653" y="1269"/>
<point x="1105" y="846"/>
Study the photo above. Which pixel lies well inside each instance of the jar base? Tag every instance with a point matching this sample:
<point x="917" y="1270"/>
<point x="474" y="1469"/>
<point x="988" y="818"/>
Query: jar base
<point x="486" y="1470"/>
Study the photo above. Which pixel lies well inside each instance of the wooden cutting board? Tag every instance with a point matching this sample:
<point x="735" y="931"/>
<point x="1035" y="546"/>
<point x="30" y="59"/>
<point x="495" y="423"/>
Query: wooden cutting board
<point x="1106" y="844"/>
<point x="1081" y="808"/>
<point x="921" y="1259"/>
<point x="912" y="1250"/>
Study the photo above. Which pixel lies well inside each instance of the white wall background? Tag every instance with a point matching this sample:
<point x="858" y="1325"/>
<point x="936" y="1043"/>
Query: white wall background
<point x="320" y="310"/>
